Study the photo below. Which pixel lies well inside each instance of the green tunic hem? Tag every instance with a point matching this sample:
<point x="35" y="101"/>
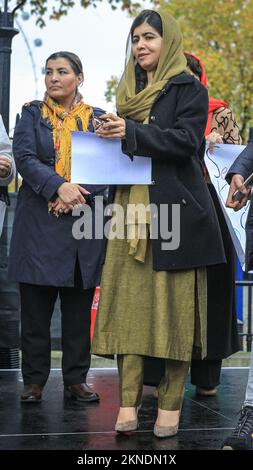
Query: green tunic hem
<point x="159" y="314"/>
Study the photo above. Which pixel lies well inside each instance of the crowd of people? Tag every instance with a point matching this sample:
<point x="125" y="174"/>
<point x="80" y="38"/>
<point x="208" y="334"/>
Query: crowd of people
<point x="164" y="112"/>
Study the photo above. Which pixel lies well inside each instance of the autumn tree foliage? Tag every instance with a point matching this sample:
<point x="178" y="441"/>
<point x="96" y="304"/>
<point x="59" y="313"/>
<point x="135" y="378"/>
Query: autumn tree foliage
<point x="220" y="32"/>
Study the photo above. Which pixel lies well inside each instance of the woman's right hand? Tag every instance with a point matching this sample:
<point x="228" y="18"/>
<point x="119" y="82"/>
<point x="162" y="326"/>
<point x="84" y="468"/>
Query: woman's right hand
<point x="237" y="184"/>
<point x="72" y="194"/>
<point x="5" y="166"/>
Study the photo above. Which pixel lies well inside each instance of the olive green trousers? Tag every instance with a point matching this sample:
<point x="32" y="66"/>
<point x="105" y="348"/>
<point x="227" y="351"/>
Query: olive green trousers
<point x="170" y="389"/>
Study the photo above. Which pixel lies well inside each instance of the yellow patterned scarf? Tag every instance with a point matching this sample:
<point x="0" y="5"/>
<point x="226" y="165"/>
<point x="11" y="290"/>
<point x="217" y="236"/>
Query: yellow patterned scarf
<point x="137" y="106"/>
<point x="63" y="123"/>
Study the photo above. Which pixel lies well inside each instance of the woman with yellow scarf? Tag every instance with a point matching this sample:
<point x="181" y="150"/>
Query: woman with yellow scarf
<point x="153" y="289"/>
<point x="45" y="257"/>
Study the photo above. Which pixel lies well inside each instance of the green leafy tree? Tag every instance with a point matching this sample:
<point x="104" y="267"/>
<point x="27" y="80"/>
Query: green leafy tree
<point x="220" y="32"/>
<point x="111" y="87"/>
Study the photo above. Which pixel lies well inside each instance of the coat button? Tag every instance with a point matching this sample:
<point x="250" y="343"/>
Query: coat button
<point x="184" y="202"/>
<point x="152" y="118"/>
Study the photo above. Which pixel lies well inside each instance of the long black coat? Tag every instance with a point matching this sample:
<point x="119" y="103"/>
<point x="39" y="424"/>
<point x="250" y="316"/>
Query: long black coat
<point x="43" y="250"/>
<point x="174" y="139"/>
<point x="222" y="335"/>
<point x="243" y="165"/>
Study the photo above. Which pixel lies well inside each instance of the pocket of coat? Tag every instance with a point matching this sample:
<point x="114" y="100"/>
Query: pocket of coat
<point x="188" y="197"/>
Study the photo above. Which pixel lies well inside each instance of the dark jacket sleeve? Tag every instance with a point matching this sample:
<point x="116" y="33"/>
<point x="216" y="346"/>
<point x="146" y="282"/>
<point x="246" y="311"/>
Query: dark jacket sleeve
<point x="40" y="177"/>
<point x="177" y="143"/>
<point x="243" y="165"/>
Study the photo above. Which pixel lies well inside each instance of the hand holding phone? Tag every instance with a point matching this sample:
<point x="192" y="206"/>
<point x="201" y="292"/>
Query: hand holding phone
<point x="99" y="122"/>
<point x="248" y="183"/>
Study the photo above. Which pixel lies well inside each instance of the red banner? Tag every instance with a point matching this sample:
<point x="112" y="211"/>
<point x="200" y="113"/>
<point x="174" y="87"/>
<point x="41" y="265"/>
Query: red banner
<point x="94" y="310"/>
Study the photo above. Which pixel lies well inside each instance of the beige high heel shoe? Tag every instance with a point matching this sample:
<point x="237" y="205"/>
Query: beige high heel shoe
<point x="128" y="425"/>
<point x="166" y="431"/>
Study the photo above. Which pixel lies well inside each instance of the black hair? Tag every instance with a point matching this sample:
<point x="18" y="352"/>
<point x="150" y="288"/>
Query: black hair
<point x="72" y="58"/>
<point x="154" y="20"/>
<point x="151" y="17"/>
<point x="193" y="65"/>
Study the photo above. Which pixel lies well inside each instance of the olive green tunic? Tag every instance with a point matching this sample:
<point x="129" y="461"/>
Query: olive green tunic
<point x="145" y="312"/>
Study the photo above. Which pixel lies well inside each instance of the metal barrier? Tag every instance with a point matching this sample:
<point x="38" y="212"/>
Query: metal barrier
<point x="9" y="299"/>
<point x="249" y="335"/>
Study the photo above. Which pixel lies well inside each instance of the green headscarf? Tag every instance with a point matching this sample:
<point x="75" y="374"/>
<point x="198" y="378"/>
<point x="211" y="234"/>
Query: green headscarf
<point x="137" y="106"/>
<point x="171" y="62"/>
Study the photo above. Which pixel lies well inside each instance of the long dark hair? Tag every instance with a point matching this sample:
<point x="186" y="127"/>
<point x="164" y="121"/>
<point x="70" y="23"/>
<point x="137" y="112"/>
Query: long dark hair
<point x="73" y="60"/>
<point x="193" y="65"/>
<point x="153" y="19"/>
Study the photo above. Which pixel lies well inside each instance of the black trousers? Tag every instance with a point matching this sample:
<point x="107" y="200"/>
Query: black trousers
<point x="37" y="306"/>
<point x="206" y="373"/>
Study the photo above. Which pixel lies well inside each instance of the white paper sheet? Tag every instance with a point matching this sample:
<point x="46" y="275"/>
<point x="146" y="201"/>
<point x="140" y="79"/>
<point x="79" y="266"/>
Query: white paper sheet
<point x="218" y="165"/>
<point x="101" y="161"/>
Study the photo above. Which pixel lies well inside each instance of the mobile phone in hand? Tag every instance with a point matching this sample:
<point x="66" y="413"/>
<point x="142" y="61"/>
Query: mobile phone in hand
<point x="248" y="183"/>
<point x="99" y="121"/>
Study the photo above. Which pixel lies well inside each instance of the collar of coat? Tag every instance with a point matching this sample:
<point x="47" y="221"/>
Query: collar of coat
<point x="35" y="107"/>
<point x="181" y="79"/>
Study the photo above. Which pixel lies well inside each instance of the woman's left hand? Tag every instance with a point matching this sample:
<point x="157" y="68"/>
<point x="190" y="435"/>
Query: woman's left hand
<point x="113" y="127"/>
<point x="59" y="207"/>
<point x="214" y="138"/>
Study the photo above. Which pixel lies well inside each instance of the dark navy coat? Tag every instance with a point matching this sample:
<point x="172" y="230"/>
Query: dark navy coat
<point x="243" y="165"/>
<point x="174" y="139"/>
<point x="43" y="250"/>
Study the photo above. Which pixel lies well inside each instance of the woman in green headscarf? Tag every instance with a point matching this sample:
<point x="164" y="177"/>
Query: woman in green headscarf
<point x="153" y="290"/>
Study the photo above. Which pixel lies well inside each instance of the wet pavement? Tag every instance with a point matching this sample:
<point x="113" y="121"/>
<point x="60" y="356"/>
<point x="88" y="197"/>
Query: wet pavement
<point x="57" y="423"/>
